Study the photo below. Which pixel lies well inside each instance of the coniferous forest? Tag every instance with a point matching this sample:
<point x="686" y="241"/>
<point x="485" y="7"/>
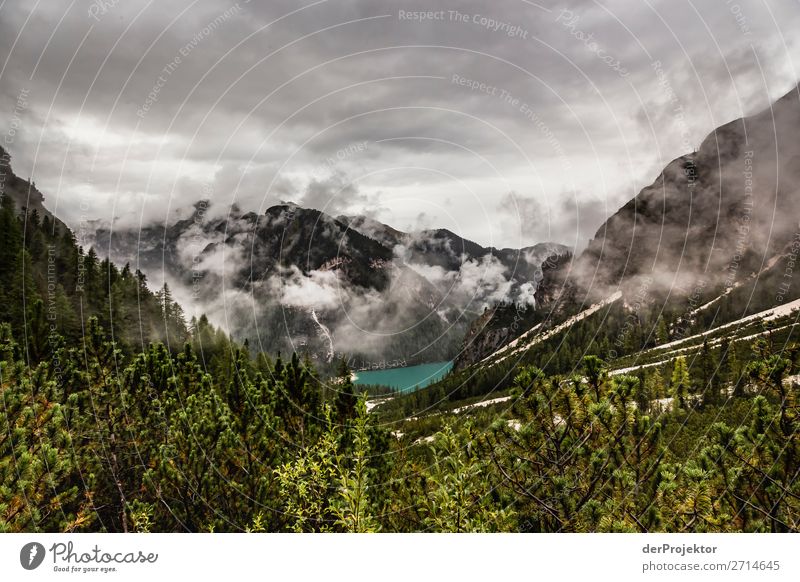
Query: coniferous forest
<point x="118" y="415"/>
<point x="350" y="266"/>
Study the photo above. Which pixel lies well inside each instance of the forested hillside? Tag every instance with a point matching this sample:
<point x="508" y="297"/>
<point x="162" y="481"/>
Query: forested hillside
<point x="52" y="286"/>
<point x="97" y="435"/>
<point x="119" y="415"/>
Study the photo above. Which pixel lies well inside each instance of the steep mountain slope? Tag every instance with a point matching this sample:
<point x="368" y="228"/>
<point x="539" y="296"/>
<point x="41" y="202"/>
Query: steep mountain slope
<point x="719" y="219"/>
<point x="716" y="214"/>
<point x="502" y="324"/>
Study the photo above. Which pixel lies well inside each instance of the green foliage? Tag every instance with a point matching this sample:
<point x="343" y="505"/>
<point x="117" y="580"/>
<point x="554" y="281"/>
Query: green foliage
<point x="50" y="285"/>
<point x="115" y="415"/>
<point x="680" y="383"/>
<point x="101" y="441"/>
<point x="322" y="490"/>
<point x="307" y="484"/>
<point x="457" y="496"/>
<point x="580" y="462"/>
<point x="353" y="509"/>
<point x="662" y="331"/>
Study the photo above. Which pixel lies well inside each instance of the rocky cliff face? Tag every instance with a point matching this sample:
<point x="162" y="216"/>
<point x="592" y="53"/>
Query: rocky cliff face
<point x="481" y="340"/>
<point x="708" y="213"/>
<point x="711" y="221"/>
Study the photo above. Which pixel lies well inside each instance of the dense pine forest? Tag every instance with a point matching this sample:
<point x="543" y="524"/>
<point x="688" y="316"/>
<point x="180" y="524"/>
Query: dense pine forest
<point x="119" y="415"/>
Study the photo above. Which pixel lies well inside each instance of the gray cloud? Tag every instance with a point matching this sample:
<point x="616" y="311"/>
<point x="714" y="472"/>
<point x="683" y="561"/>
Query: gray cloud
<point x="571" y="219"/>
<point x="333" y="195"/>
<point x="456" y="112"/>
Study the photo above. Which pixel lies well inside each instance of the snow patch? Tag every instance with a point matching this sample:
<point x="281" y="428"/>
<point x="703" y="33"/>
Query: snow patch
<point x="481" y="404"/>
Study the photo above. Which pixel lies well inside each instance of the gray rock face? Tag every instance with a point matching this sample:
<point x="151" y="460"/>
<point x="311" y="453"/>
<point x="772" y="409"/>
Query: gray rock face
<point x="711" y="220"/>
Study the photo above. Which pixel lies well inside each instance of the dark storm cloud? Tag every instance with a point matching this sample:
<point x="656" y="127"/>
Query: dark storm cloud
<point x="134" y="104"/>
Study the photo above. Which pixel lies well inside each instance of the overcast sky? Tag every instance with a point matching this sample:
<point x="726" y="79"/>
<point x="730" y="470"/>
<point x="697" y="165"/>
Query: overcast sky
<point x="509" y="122"/>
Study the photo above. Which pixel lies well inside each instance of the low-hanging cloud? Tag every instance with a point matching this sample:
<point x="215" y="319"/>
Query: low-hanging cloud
<point x="251" y="113"/>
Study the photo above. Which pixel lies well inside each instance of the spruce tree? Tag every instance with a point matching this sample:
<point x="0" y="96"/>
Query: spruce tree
<point x="680" y="383"/>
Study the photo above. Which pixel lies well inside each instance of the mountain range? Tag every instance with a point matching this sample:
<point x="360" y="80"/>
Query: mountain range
<point x="715" y="225"/>
<point x="297" y="279"/>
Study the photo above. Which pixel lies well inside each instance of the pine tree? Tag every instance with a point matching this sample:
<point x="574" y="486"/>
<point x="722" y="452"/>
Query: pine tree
<point x="680" y="382"/>
<point x="662" y="332"/>
<point x="353" y="509"/>
<point x="655" y="384"/>
<point x="642" y="394"/>
<point x="457" y="497"/>
<point x="594" y="368"/>
<point x="346" y="397"/>
<point x="709" y="380"/>
<point x="736" y="372"/>
<point x="724" y="371"/>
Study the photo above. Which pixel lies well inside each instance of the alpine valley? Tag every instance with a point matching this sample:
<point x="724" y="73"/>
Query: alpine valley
<point x="196" y="375"/>
<point x="298" y="280"/>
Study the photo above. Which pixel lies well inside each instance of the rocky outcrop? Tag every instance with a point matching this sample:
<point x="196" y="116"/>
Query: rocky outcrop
<point x="503" y="323"/>
<point x="737" y="195"/>
<point x="24" y="193"/>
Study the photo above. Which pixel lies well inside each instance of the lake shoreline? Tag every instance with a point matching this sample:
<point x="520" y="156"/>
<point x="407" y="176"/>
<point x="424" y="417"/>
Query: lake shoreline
<point x="404" y="379"/>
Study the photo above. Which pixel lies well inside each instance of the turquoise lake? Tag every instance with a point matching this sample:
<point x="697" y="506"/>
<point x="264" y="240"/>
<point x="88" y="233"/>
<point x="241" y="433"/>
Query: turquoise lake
<point x="405" y="379"/>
